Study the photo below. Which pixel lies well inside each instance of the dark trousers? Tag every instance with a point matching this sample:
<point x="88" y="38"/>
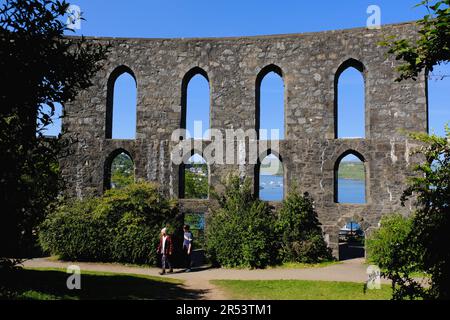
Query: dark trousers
<point x="187" y="257"/>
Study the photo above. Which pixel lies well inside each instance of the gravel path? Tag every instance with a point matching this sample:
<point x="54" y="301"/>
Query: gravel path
<point x="199" y="279"/>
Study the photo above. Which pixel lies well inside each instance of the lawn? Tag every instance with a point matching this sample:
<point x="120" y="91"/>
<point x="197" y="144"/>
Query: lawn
<point x="50" y="284"/>
<point x="298" y="265"/>
<point x="300" y="290"/>
<point x="352" y="170"/>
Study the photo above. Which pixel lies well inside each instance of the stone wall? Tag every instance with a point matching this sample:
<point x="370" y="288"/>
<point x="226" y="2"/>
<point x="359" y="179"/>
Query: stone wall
<point x="309" y="65"/>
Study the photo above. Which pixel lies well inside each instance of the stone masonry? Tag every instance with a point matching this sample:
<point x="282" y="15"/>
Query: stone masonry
<point x="309" y="65"/>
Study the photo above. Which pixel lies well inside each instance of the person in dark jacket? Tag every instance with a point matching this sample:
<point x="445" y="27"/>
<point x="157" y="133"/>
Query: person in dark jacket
<point x="187" y="246"/>
<point x="165" y="249"/>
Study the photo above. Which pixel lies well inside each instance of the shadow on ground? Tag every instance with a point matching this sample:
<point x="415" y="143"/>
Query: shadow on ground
<point x="51" y="285"/>
<point x="348" y="251"/>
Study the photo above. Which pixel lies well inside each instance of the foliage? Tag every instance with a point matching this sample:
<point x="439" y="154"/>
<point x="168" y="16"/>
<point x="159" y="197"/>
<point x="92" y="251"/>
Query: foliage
<point x="196" y="184"/>
<point x="122" y="226"/>
<point x="432" y="46"/>
<point x="122" y="171"/>
<point x="299" y="228"/>
<point x="240" y="232"/>
<point x="425" y="248"/>
<point x="39" y="67"/>
<point x="382" y="242"/>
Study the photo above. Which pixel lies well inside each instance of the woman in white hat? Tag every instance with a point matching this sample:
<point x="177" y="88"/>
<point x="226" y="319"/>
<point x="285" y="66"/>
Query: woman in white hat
<point x="165" y="248"/>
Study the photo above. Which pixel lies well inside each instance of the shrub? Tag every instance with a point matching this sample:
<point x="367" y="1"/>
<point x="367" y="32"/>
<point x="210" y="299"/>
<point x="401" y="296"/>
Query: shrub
<point x="301" y="235"/>
<point x="382" y="243"/>
<point x="122" y="226"/>
<point x="240" y="232"/>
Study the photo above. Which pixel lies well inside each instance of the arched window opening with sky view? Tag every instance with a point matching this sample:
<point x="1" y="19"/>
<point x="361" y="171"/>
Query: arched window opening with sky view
<point x="54" y="128"/>
<point x="351" y="105"/>
<point x="350" y="180"/>
<point x="271" y="107"/>
<point x="198" y="107"/>
<point x="124" y="107"/>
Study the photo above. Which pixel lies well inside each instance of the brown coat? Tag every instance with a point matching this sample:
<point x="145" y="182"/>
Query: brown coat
<point x="168" y="247"/>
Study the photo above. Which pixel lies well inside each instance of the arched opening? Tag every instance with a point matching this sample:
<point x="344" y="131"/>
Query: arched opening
<point x="51" y="126"/>
<point x="438" y="86"/>
<point x="194" y="178"/>
<point x="349" y="89"/>
<point x="270" y="120"/>
<point x="121" y="104"/>
<point x="351" y="241"/>
<point x="119" y="170"/>
<point x="350" y="179"/>
<point x="195" y="104"/>
<point x="270" y="178"/>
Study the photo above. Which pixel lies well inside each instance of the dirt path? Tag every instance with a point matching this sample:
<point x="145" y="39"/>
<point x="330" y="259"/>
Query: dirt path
<point x="199" y="279"/>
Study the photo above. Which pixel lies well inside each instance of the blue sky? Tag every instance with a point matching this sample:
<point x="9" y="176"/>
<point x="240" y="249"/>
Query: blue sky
<point x="201" y="18"/>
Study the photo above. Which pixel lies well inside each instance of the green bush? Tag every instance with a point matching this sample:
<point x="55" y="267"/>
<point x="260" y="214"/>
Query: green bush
<point x="300" y="232"/>
<point x="122" y="226"/>
<point x="383" y="242"/>
<point x="240" y="232"/>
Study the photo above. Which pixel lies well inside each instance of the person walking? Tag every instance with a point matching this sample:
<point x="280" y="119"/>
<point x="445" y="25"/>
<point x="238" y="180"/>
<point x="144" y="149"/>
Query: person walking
<point x="165" y="248"/>
<point x="187" y="246"/>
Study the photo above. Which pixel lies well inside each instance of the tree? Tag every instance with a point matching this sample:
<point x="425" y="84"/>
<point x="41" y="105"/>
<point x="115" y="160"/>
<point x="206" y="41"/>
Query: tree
<point x="240" y="231"/>
<point x="300" y="231"/>
<point x="122" y="171"/>
<point x="196" y="183"/>
<point x="39" y="66"/>
<point x="432" y="45"/>
<point x="426" y="246"/>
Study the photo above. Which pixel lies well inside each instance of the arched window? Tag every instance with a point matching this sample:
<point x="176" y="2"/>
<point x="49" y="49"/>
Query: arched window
<point x="350" y="179"/>
<point x="194" y="178"/>
<point x="438" y="97"/>
<point x="121" y="104"/>
<point x="350" y="101"/>
<point x="119" y="170"/>
<point x="54" y="127"/>
<point x="195" y="104"/>
<point x="270" y="104"/>
<point x="270" y="178"/>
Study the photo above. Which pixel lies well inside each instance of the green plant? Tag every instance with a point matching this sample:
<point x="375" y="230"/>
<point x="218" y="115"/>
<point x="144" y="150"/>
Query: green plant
<point x="122" y="171"/>
<point x="381" y="243"/>
<point x="425" y="247"/>
<point x="240" y="232"/>
<point x="122" y="226"/>
<point x="38" y="60"/>
<point x="300" y="232"/>
<point x="196" y="184"/>
<point x="431" y="46"/>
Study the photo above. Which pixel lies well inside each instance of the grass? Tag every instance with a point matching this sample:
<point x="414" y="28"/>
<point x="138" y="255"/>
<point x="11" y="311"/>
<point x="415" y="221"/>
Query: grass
<point x="298" y="265"/>
<point x="50" y="284"/>
<point x="300" y="290"/>
<point x="351" y="170"/>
